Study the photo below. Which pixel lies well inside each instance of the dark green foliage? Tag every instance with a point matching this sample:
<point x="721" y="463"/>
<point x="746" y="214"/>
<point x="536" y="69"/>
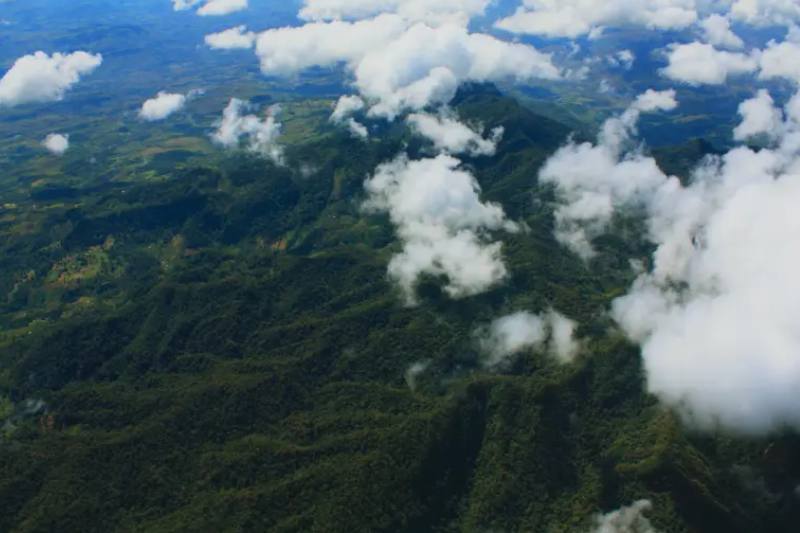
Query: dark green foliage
<point x="222" y="351"/>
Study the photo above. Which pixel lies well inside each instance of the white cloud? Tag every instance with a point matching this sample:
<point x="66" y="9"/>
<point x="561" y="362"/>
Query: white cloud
<point x="286" y="51"/>
<point x="699" y="63"/>
<point x="517" y="332"/>
<point x="766" y="12"/>
<point x="161" y="106"/>
<point x="262" y="134"/>
<point x="425" y="66"/>
<point x="211" y="7"/>
<point x="512" y="334"/>
<point x="183" y="5"/>
<point x="759" y="117"/>
<point x="221" y="7"/>
<point x="623" y="58"/>
<point x="780" y="60"/>
<point x="436" y="208"/>
<point x="575" y="18"/>
<point x="398" y="67"/>
<point x="651" y="101"/>
<point x="591" y="180"/>
<point x="451" y="136"/>
<point x="629" y="519"/>
<point x="724" y="264"/>
<point x="357" y="129"/>
<point x="717" y="32"/>
<point x="346" y="106"/>
<point x="414" y="372"/>
<point x="56" y="143"/>
<point x="416" y="10"/>
<point x="42" y="78"/>
<point x="716" y="313"/>
<point x="232" y="38"/>
<point x="562" y="345"/>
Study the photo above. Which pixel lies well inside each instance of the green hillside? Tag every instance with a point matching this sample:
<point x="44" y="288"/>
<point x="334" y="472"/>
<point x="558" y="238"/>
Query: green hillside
<point x="211" y="343"/>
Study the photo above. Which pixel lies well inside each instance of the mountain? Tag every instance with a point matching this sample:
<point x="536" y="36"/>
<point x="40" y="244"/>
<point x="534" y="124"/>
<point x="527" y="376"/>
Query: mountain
<point x="220" y="349"/>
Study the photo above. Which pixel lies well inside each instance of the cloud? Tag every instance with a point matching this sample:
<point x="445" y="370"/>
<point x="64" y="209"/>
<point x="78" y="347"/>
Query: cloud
<point x="699" y="63"/>
<point x="451" y="136"/>
<point x="42" y="78"/>
<point x="512" y="334"/>
<point x="759" y="117"/>
<point x="183" y="5"/>
<point x="357" y="129"/>
<point x="56" y="143"/>
<point x="287" y="51"/>
<point x="211" y="7"/>
<point x="575" y="18"/>
<point x="347" y="106"/>
<point x="717" y="32"/>
<point x="232" y="38"/>
<point x="435" y="206"/>
<point x="591" y="179"/>
<point x="425" y="66"/>
<point x="715" y="313"/>
<point x="517" y="332"/>
<point x="416" y="10"/>
<point x="414" y="372"/>
<point x="398" y="67"/>
<point x="766" y="12"/>
<point x="629" y="519"/>
<point x="780" y="60"/>
<point x="161" y="106"/>
<point x="563" y="344"/>
<point x="221" y="7"/>
<point x="262" y="134"/>
<point x="623" y="58"/>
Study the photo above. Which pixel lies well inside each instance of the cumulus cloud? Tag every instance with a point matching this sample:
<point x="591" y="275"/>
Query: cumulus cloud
<point x="575" y="18"/>
<point x="221" y="7"/>
<point x="56" y="143"/>
<point x="43" y="78"/>
<point x="766" y="12"/>
<point x="780" y="60"/>
<point x="161" y="106"/>
<point x="591" y="179"/>
<point x="232" y="38"/>
<point x="414" y="372"/>
<point x="211" y="7"/>
<point x="563" y="344"/>
<point x="343" y="113"/>
<point x="628" y="519"/>
<point x="717" y="32"/>
<point x="716" y="310"/>
<point x="289" y="50"/>
<point x="397" y="67"/>
<point x="452" y="136"/>
<point x="436" y="207"/>
<point x="346" y="107"/>
<point x="759" y="117"/>
<point x="357" y="129"/>
<point x="262" y="134"/>
<point x="623" y="58"/>
<point x="183" y="5"/>
<point x="700" y="63"/>
<point x="517" y="332"/>
<point x="416" y="10"/>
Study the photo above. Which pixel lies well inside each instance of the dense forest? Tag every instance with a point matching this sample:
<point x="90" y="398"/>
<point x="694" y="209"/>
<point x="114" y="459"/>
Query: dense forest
<point x="221" y="350"/>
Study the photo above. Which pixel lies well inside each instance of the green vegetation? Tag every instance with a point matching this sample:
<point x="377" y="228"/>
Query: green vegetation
<point x="210" y="343"/>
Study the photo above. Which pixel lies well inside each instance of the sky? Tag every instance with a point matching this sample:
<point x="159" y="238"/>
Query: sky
<point x="715" y="308"/>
